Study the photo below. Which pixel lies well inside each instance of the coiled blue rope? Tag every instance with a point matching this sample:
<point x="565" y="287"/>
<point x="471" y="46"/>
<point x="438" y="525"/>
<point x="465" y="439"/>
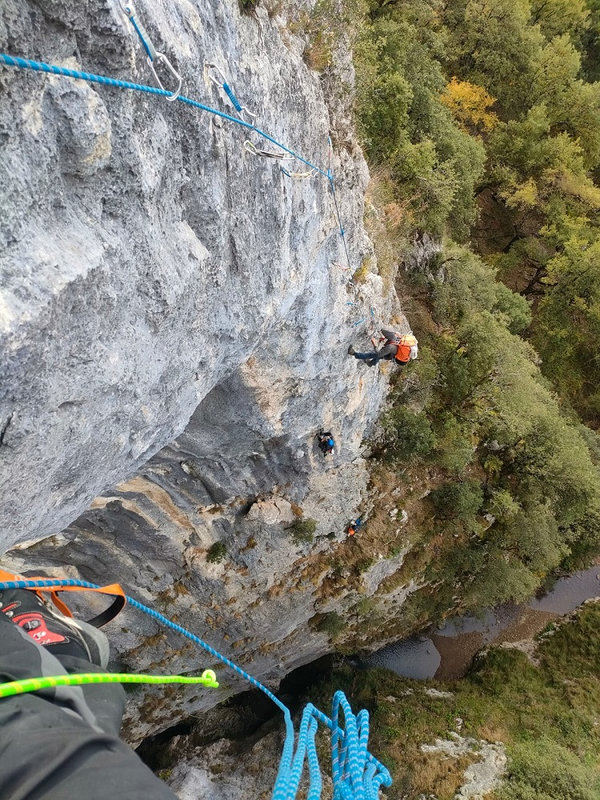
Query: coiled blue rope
<point x="357" y="775"/>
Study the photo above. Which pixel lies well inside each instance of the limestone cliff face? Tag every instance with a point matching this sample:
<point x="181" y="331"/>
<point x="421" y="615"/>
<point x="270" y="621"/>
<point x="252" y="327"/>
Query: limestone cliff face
<point x="174" y="318"/>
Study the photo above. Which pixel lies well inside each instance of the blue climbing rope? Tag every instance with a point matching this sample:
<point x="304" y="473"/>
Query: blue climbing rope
<point x="356" y="774"/>
<point x="52" y="69"/>
<point x="221" y="82"/>
<point x="335" y="202"/>
<point x="153" y="54"/>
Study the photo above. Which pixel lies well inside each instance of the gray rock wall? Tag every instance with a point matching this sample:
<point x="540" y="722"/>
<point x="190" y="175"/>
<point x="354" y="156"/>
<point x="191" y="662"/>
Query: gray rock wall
<point x="174" y="319"/>
<point x="145" y="255"/>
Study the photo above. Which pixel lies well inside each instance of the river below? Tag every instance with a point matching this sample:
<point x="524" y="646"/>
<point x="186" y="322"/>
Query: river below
<point x="446" y="652"/>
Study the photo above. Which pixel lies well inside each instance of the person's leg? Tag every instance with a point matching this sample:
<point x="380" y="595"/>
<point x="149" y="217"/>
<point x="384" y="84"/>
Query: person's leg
<point x="370" y="358"/>
<point x="62" y="743"/>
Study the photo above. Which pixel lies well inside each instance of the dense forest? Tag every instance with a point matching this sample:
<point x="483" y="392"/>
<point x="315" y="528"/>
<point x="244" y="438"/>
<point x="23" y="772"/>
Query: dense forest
<point x="481" y="123"/>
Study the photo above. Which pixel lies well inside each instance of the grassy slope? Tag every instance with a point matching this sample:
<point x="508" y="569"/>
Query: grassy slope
<point x="547" y="716"/>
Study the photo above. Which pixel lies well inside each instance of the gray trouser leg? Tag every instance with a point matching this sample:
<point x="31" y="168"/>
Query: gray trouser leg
<point x="369" y="358"/>
<point x="62" y="744"/>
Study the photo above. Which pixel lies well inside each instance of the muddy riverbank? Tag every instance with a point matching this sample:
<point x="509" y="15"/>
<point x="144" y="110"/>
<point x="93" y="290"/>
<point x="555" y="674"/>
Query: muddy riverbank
<point x="446" y="652"/>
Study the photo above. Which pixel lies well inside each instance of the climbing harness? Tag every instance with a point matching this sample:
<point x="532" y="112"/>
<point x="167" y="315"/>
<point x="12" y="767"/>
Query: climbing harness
<point x="356" y="774"/>
<point x="151" y="51"/>
<point x="208" y="678"/>
<point x="219" y="80"/>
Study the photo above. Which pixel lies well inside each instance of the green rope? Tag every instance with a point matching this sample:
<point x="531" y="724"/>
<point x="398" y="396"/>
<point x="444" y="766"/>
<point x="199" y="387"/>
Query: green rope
<point x="208" y="679"/>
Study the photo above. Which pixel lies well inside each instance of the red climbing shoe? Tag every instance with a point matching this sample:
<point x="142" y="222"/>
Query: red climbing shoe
<point x="62" y="635"/>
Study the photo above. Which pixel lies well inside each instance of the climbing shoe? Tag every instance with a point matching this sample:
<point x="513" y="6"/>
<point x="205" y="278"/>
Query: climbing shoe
<point x="46" y="626"/>
<point x="351" y="351"/>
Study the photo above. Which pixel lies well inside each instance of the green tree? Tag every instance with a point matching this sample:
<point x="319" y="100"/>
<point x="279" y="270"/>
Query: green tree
<point x="404" y="124"/>
<point x="568" y="330"/>
<point x="556" y="17"/>
<point x="492" y="45"/>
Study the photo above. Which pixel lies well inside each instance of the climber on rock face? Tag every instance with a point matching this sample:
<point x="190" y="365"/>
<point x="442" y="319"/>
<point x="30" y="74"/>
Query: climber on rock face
<point x="401" y="348"/>
<point x="326" y="442"/>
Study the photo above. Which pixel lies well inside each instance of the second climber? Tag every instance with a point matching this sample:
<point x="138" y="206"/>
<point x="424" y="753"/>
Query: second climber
<point x="325" y="442"/>
<point x="401" y="348"/>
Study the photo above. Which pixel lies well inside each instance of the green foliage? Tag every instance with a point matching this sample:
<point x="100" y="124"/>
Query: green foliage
<point x="519" y="491"/>
<point x="492" y="45"/>
<point x="561" y="16"/>
<point x="216" y="552"/>
<point x="502" y="505"/>
<point x="488" y="412"/>
<point x="331" y="623"/>
<point x="458" y="500"/>
<point x="514" y="307"/>
<point x="568" y="329"/>
<point x="404" y="124"/>
<point x="533" y="538"/>
<point x="469" y="284"/>
<point x="538" y="58"/>
<point x="455" y="445"/>
<point x="303" y="530"/>
<point x="591" y="42"/>
<point x="426" y="76"/>
<point x="384" y="115"/>
<point x="537" y="155"/>
<point x="365" y="606"/>
<point x="574" y="647"/>
<point x="546" y="770"/>
<point x="408" y="434"/>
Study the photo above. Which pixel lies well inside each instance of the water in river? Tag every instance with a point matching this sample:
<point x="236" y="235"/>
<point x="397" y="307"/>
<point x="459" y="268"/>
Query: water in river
<point x="447" y="652"/>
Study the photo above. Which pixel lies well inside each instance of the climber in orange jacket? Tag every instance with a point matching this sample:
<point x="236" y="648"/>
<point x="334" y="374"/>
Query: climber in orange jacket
<point x="401" y="348"/>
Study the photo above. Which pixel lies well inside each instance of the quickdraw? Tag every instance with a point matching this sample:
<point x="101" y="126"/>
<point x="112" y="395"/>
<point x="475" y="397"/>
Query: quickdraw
<point x="153" y="54"/>
<point x="221" y="82"/>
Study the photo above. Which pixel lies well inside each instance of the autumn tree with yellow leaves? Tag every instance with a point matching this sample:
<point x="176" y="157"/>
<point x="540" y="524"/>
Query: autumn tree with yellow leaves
<point x="469" y="105"/>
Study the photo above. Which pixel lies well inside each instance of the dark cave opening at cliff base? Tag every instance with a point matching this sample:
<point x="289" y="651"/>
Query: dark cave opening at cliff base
<point x="244" y="718"/>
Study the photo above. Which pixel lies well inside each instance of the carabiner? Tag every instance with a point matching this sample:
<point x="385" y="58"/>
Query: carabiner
<point x="222" y="84"/>
<point x="162" y="57"/>
<point x="250" y="147"/>
<point x="152" y="53"/>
